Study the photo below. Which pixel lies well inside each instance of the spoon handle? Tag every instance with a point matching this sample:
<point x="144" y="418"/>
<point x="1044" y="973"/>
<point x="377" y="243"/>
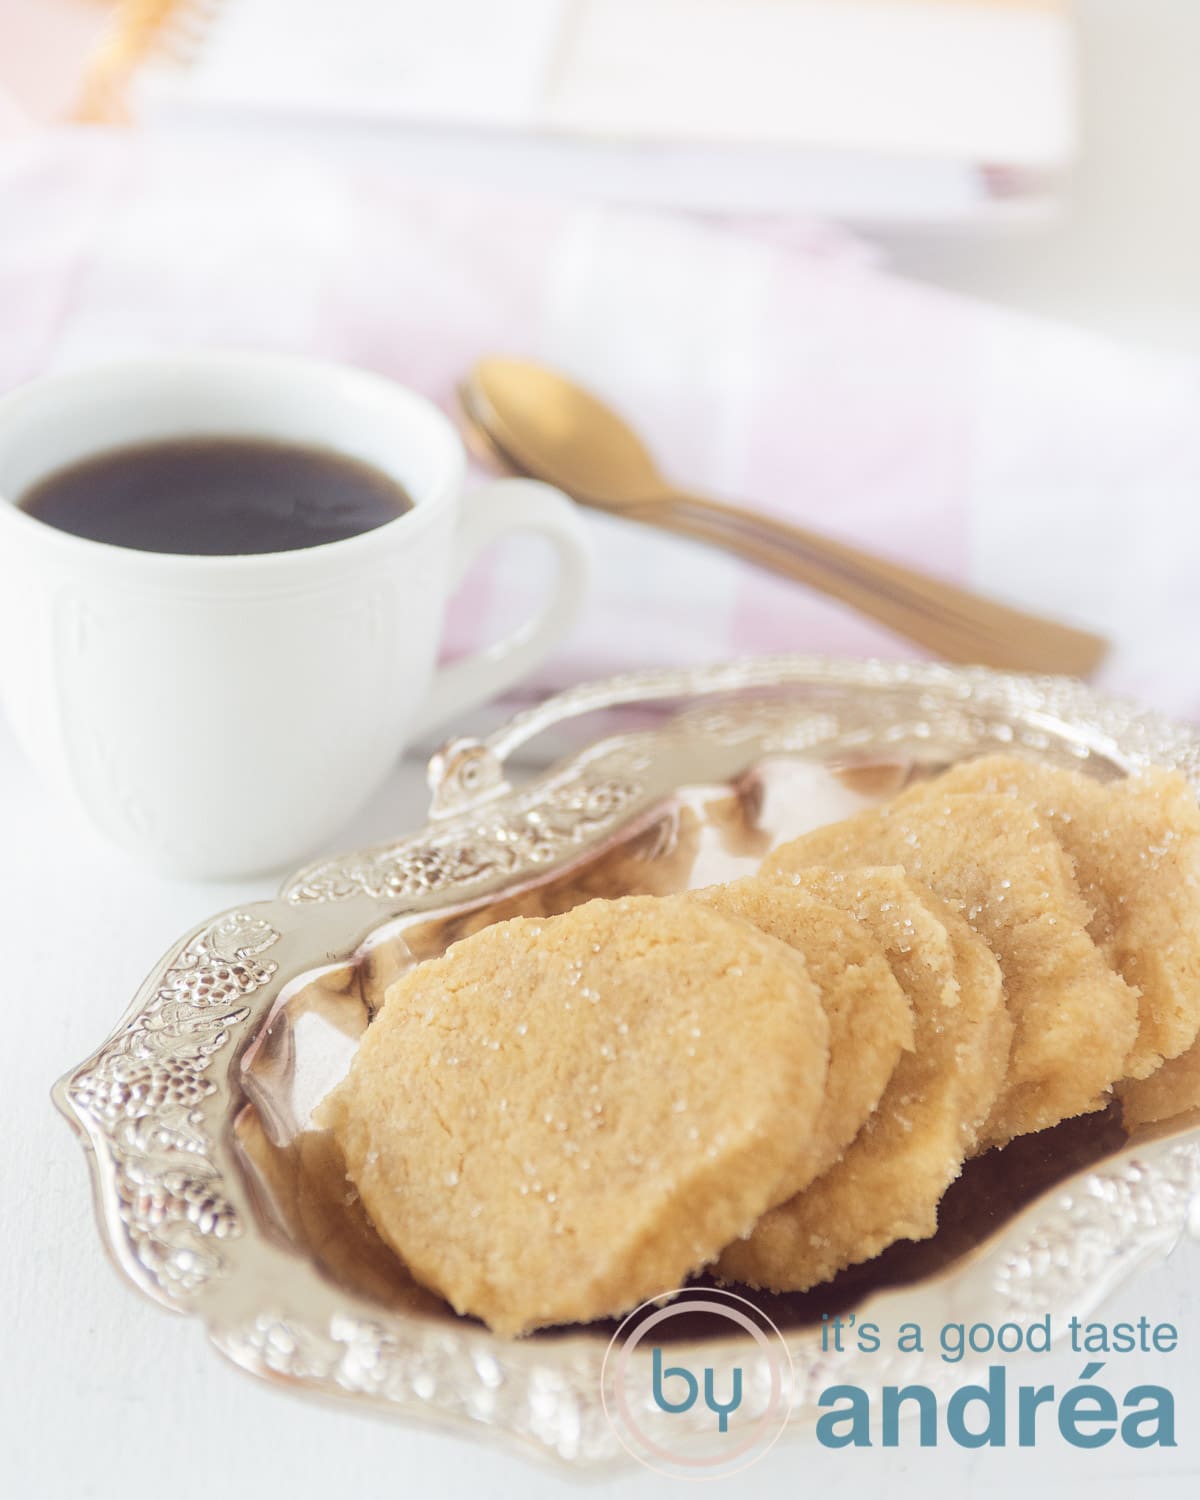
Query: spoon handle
<point x="953" y="622"/>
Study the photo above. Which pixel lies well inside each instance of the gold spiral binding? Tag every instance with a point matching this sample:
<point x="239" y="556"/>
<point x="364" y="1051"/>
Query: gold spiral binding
<point x="139" y="30"/>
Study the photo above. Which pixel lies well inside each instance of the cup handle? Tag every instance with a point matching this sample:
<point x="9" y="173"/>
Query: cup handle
<point x="488" y="513"/>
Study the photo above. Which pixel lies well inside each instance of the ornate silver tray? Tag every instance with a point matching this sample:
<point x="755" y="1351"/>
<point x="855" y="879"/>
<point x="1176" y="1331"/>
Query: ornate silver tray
<point x="217" y="1197"/>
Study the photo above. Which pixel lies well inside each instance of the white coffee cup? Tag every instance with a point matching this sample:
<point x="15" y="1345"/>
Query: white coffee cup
<point x="225" y="715"/>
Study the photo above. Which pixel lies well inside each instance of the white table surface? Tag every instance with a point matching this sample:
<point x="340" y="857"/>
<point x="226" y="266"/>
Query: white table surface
<point x="106" y="1395"/>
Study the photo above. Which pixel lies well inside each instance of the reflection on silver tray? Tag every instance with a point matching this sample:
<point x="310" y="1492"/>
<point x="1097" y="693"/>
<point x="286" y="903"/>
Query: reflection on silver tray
<point x="218" y="1198"/>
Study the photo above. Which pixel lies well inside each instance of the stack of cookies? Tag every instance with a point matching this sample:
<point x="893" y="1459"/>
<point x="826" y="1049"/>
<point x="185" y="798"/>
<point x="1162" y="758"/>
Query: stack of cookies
<point x="780" y="1077"/>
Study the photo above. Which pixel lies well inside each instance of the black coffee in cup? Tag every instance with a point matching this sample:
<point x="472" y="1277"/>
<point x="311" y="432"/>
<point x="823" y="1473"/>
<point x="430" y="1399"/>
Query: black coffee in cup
<point x="217" y="497"/>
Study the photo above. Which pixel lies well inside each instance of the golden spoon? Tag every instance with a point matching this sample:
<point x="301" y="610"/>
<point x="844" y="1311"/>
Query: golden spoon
<point x="538" y="423"/>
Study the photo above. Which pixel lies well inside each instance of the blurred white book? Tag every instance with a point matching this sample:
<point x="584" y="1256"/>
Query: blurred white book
<point x="866" y="110"/>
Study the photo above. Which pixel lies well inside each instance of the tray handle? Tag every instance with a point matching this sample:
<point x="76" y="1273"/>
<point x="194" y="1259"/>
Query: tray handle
<point x="466" y="772"/>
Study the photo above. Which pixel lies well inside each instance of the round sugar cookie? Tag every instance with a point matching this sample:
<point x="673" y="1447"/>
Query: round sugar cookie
<point x="888" y="1183"/>
<point x="870" y="1017"/>
<point x="1136" y="848"/>
<point x="560" y="1118"/>
<point x="991" y="856"/>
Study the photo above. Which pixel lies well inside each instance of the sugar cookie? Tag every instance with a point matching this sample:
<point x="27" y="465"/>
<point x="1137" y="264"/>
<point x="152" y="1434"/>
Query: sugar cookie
<point x="991" y="856"/>
<point x="561" y="1118"/>
<point x="1171" y="1090"/>
<point x="888" y="1183"/>
<point x="1136" y="848"/>
<point x="870" y="1017"/>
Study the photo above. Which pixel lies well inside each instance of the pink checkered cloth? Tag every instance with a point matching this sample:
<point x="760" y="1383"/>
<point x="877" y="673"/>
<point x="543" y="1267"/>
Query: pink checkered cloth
<point x="781" y="368"/>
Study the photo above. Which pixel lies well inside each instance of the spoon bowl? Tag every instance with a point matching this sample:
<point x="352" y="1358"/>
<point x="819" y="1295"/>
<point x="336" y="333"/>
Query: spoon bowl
<point x="546" y="422"/>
